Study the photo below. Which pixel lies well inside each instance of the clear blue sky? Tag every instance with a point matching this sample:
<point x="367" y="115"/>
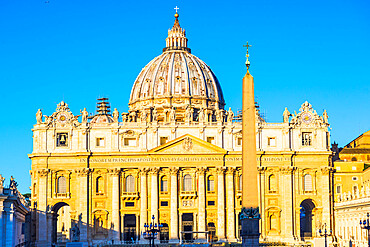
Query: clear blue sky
<point x="79" y="50"/>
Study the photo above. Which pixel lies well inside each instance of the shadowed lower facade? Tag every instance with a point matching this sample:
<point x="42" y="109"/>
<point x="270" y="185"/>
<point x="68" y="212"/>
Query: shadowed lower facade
<point x="176" y="155"/>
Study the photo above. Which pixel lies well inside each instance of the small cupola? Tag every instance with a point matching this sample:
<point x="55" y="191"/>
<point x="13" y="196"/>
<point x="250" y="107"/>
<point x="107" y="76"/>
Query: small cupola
<point x="176" y="39"/>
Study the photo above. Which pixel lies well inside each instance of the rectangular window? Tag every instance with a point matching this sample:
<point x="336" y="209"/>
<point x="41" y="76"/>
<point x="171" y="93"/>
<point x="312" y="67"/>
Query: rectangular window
<point x="164" y="203"/>
<point x="271" y="141"/>
<point x="211" y="139"/>
<point x="339" y="189"/>
<point x="62" y="139"/>
<point x="129" y="142"/>
<point x="100" y="142"/>
<point x="306" y="139"/>
<point x="130" y="204"/>
<point x="211" y="203"/>
<point x="163" y="140"/>
<point x="239" y="141"/>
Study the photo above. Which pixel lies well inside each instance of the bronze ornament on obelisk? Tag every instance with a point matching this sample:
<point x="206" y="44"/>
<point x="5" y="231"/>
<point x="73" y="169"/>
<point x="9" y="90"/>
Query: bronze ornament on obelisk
<point x="249" y="215"/>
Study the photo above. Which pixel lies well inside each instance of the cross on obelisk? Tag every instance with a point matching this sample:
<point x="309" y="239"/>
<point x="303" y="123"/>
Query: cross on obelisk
<point x="247" y="55"/>
<point x="250" y="212"/>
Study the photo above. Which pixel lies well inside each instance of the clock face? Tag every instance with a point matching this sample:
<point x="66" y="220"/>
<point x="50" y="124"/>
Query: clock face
<point x="62" y="118"/>
<point x="307" y="118"/>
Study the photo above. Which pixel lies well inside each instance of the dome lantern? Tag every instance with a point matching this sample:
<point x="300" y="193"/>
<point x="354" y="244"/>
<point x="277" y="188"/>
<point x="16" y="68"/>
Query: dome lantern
<point x="176" y="39"/>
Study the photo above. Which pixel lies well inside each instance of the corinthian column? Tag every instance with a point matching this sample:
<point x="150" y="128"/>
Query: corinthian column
<point x="114" y="174"/>
<point x="230" y="204"/>
<point x="221" y="203"/>
<point x="143" y="200"/>
<point x="202" y="203"/>
<point x="174" y="236"/>
<point x="83" y="211"/>
<point x="154" y="192"/>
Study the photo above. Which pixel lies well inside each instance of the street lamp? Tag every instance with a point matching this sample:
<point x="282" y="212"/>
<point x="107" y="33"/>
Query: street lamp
<point x="325" y="234"/>
<point x="365" y="225"/>
<point x="151" y="231"/>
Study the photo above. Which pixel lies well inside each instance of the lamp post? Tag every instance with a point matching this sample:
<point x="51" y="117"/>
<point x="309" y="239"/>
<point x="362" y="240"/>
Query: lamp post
<point x="151" y="231"/>
<point x="325" y="234"/>
<point x="365" y="225"/>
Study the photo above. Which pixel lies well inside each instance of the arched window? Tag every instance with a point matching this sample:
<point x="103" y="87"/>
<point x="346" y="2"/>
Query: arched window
<point x="307" y="179"/>
<point x="164" y="183"/>
<point x="61" y="187"/>
<point x="210" y="183"/>
<point x="187" y="183"/>
<point x="130" y="184"/>
<point x="272" y="183"/>
<point x="354" y="159"/>
<point x="240" y="182"/>
<point x="99" y="185"/>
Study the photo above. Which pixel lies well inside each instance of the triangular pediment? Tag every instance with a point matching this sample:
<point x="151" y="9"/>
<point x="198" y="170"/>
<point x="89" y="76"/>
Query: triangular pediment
<point x="188" y="144"/>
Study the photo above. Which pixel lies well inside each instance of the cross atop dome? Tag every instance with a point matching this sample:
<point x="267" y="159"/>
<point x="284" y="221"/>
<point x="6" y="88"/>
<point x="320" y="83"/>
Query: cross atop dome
<point x="176" y="39"/>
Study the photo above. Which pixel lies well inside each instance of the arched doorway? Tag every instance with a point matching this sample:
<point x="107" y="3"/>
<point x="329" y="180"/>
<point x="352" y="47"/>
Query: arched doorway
<point x="306" y="218"/>
<point x="61" y="223"/>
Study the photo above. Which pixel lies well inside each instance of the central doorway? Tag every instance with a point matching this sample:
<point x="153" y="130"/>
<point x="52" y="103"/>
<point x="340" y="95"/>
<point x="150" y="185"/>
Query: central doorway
<point x="129" y="230"/>
<point x="61" y="223"/>
<point x="187" y="226"/>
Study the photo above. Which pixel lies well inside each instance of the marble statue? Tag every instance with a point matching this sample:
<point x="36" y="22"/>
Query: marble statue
<point x="84" y="115"/>
<point x="39" y="116"/>
<point x="75" y="233"/>
<point x="286" y="115"/>
<point x="230" y="115"/>
<point x="326" y="117"/>
<point x="155" y="115"/>
<point x="173" y="114"/>
<point x="115" y="115"/>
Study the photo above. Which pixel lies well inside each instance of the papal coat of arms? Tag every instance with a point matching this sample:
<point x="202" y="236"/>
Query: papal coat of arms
<point x="187" y="144"/>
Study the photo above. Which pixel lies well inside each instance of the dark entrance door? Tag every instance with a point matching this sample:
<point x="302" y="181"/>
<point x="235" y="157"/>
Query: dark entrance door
<point x="187" y="226"/>
<point x="129" y="229"/>
<point x="306" y="218"/>
<point x="164" y="234"/>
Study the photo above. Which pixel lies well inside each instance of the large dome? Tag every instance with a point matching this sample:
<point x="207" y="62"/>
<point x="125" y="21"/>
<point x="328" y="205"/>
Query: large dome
<point x="176" y="79"/>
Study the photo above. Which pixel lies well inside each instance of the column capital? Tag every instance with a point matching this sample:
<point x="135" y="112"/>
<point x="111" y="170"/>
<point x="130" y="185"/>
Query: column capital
<point x="114" y="171"/>
<point x="174" y="171"/>
<point x="287" y="170"/>
<point x="326" y="170"/>
<point x="220" y="170"/>
<point x="230" y="171"/>
<point x="201" y="170"/>
<point x="143" y="171"/>
<point x="154" y="170"/>
<point x="43" y="172"/>
<point x="84" y="172"/>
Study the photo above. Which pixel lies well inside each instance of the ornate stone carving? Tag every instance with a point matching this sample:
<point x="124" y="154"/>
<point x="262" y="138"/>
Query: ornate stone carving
<point x="84" y="172"/>
<point x="187" y="144"/>
<point x="249" y="213"/>
<point x="174" y="171"/>
<point x="154" y="170"/>
<point x="287" y="170"/>
<point x="326" y="170"/>
<point x="201" y="171"/>
<point x="143" y="171"/>
<point x="221" y="170"/>
<point x="230" y="171"/>
<point x="114" y="171"/>
<point x="43" y="172"/>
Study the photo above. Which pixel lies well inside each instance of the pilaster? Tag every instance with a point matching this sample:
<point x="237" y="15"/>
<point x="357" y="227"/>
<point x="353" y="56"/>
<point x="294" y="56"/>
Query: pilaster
<point x="221" y="204"/>
<point x="143" y="200"/>
<point x="154" y="192"/>
<point x="83" y="207"/>
<point x="115" y="226"/>
<point x="230" y="205"/>
<point x="174" y="227"/>
<point x="42" y="206"/>
<point x="202" y="203"/>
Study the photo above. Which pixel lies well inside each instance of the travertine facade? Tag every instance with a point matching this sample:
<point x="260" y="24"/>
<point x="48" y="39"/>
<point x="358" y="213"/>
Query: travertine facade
<point x="176" y="155"/>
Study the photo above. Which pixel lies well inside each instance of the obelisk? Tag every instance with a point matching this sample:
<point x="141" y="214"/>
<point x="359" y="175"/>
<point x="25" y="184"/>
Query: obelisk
<point x="250" y="212"/>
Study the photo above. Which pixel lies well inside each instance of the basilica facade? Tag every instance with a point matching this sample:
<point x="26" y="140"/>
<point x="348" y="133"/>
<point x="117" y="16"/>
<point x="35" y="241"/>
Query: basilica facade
<point x="176" y="155"/>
